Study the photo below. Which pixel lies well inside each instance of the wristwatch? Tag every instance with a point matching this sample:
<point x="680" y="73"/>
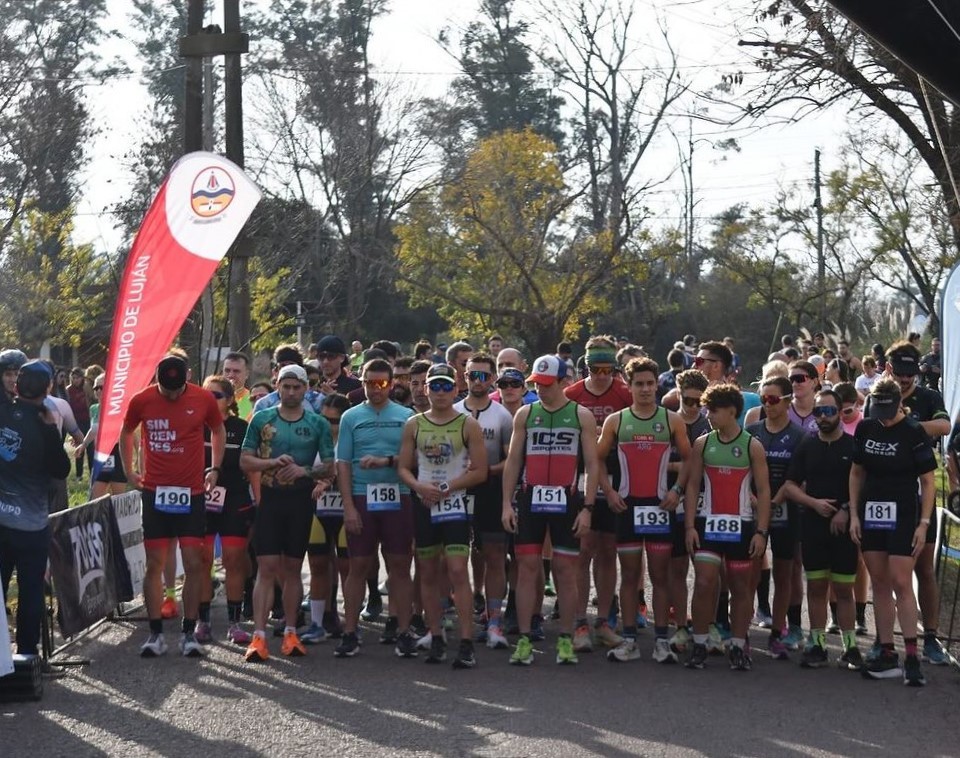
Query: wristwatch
<point x="765" y="533"/>
<point x="444" y="487"/>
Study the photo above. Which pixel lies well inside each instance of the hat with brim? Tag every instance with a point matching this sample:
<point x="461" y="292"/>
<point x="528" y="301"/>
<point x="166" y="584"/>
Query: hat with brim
<point x="884" y="407"/>
<point x="442" y="372"/>
<point x="904" y="365"/>
<point x="548" y="369"/>
<point x="172" y="373"/>
<point x="293" y="372"/>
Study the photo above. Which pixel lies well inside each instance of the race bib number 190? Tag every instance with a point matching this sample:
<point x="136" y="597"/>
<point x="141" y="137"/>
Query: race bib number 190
<point x="383" y="497"/>
<point x="174" y="500"/>
<point x="548" y="499"/>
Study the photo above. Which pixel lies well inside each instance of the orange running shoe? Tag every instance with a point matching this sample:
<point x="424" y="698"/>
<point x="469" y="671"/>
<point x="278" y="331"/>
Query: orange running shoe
<point x="169" y="609"/>
<point x="292" y="645"/>
<point x="257" y="651"/>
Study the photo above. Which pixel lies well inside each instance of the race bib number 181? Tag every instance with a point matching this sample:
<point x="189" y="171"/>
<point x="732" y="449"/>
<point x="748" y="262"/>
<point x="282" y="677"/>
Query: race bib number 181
<point x="880" y="514"/>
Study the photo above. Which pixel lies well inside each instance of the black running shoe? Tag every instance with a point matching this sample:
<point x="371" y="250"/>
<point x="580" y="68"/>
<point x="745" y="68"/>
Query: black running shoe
<point x="349" y="645"/>
<point x="698" y="657"/>
<point x="852" y="659"/>
<point x="331" y="623"/>
<point x="739" y="659"/>
<point x="813" y="657"/>
<point x="438" y="650"/>
<point x="418" y="627"/>
<point x="465" y="658"/>
<point x="912" y="673"/>
<point x="406" y="646"/>
<point x="390" y="631"/>
<point x="884" y="666"/>
<point x="479" y="604"/>
<point x="373" y="608"/>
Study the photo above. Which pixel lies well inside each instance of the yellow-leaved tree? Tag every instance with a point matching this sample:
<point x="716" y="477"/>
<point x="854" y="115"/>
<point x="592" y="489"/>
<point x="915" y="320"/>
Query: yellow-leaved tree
<point x="502" y="247"/>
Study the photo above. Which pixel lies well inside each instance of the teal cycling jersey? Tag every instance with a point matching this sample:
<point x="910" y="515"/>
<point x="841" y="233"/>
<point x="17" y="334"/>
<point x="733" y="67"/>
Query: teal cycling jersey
<point x="269" y="435"/>
<point x="367" y="431"/>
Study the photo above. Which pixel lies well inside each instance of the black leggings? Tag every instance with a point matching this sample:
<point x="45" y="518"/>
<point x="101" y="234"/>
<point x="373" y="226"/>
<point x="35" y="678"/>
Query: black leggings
<point x="27" y="553"/>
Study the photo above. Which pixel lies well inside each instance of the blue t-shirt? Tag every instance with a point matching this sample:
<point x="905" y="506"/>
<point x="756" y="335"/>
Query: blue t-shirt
<point x="367" y="431"/>
<point x="750" y="400"/>
<point x="312" y="400"/>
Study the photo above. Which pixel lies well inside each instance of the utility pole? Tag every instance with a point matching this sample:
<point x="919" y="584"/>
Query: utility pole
<point x="821" y="263"/>
<point x="195" y="47"/>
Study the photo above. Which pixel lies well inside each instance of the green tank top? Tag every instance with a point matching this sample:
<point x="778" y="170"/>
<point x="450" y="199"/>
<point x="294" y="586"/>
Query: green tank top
<point x="441" y="450"/>
<point x="727" y="476"/>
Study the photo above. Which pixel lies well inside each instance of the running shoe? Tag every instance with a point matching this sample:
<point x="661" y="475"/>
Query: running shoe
<point x="154" y="647"/>
<point x="715" y="644"/>
<point x="833" y="627"/>
<point x="373" y="608"/>
<point x="565" y="654"/>
<point x="384" y="588"/>
<point x="548" y="589"/>
<point x="762" y="619"/>
<point x="861" y="630"/>
<point x="912" y="673"/>
<point x="203" y="633"/>
<point x="349" y="645"/>
<point x="885" y="666"/>
<point x="424" y="642"/>
<point x="481" y="635"/>
<point x="479" y="604"/>
<point x="793" y="638"/>
<point x="813" y="657"/>
<point x="933" y="652"/>
<point x="292" y="646"/>
<point x="190" y="647"/>
<point x="739" y="659"/>
<point x="851" y="659"/>
<point x="314" y="634"/>
<point x="169" y="608"/>
<point x="605" y="635"/>
<point x="257" y="651"/>
<point x="725" y="632"/>
<point x="237" y="635"/>
<point x="406" y="646"/>
<point x="642" y="620"/>
<point x="418" y="627"/>
<point x="624" y="652"/>
<point x="614" y="613"/>
<point x="331" y="623"/>
<point x="581" y="639"/>
<point x="662" y="652"/>
<point x="495" y="638"/>
<point x="777" y="650"/>
<point x="523" y="653"/>
<point x="874" y="652"/>
<point x="536" y="629"/>
<point x="680" y="641"/>
<point x="391" y="630"/>
<point x="698" y="657"/>
<point x="438" y="651"/>
<point x="510" y="623"/>
<point x="465" y="658"/>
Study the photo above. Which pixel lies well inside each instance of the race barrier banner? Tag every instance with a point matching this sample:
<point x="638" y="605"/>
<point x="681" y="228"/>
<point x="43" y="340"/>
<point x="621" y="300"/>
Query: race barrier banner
<point x="128" y="510"/>
<point x="198" y="212"/>
<point x="88" y="565"/>
<point x="950" y="339"/>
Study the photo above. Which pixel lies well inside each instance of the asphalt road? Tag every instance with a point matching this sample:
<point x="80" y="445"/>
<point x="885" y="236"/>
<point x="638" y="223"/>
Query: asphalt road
<point x="377" y="703"/>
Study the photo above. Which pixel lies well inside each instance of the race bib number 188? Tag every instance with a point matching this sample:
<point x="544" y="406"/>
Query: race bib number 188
<point x="722" y="529"/>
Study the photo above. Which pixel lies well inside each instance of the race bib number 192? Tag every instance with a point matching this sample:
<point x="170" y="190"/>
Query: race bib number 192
<point x="215" y="499"/>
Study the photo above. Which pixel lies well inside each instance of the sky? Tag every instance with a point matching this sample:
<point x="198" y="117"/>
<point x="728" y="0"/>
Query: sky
<point x="700" y="31"/>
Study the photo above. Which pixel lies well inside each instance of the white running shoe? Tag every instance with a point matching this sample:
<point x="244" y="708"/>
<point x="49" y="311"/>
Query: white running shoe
<point x="154" y="646"/>
<point x="625" y="651"/>
<point x="662" y="652"/>
<point x="495" y="638"/>
<point x="190" y="648"/>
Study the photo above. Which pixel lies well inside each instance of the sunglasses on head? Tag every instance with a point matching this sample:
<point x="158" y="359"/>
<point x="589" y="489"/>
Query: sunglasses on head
<point x="380" y="384"/>
<point x="511" y="383"/>
<point x="774" y="399"/>
<point x="478" y="376"/>
<point x="439" y="385"/>
<point x="825" y="411"/>
<point x="690" y="402"/>
<point x="601" y="370"/>
<point x="799" y="378"/>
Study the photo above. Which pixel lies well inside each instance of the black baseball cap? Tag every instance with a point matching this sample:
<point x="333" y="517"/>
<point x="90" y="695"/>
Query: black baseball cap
<point x="172" y="373"/>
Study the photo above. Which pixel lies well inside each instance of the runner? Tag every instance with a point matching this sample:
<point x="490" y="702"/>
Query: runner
<point x="497" y="425"/>
<point x="819" y="479"/>
<point x="229" y="514"/>
<point x="780" y="438"/>
<point x="550" y="439"/>
<point x="642" y="436"/>
<point x="447" y="449"/>
<point x="891" y="451"/>
<point x="377" y="508"/>
<point x="171" y="416"/>
<point x="334" y="365"/>
<point x="288" y="355"/>
<point x="281" y="445"/>
<point x="236" y="367"/>
<point x="806" y="381"/>
<point x="602" y="393"/>
<point x="729" y="461"/>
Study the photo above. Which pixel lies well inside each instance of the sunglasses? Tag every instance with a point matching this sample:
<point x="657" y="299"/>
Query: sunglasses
<point x="513" y="384"/>
<point x="380" y="384"/>
<point x="691" y="402"/>
<point x="439" y="385"/>
<point x="848" y="411"/>
<point x="774" y="399"/>
<point x="825" y="411"/>
<point x="217" y="394"/>
<point x="699" y="361"/>
<point x="478" y="376"/>
<point x="601" y="370"/>
<point x="799" y="379"/>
